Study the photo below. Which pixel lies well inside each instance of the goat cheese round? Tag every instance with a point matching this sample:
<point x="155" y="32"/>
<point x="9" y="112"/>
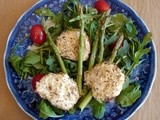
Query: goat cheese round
<point x="105" y="80"/>
<point x="68" y="44"/>
<point x="59" y="89"/>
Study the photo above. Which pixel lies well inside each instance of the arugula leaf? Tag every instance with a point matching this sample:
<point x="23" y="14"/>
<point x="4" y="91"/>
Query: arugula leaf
<point x="44" y="12"/>
<point x="138" y="50"/>
<point x="42" y="115"/>
<point x="46" y="110"/>
<point x="140" y="53"/>
<point x="130" y="30"/>
<point x="15" y="62"/>
<point x="70" y="11"/>
<point x="92" y="30"/>
<point x="125" y="63"/>
<point x="98" y="108"/>
<point x="123" y="50"/>
<point x="32" y="58"/>
<point x="129" y="95"/>
<point x="146" y="40"/>
<point x="72" y="66"/>
<point x="126" y="83"/>
<point x="110" y="40"/>
<point x="129" y="27"/>
<point x="118" y="20"/>
<point x="38" y="66"/>
<point x="52" y="64"/>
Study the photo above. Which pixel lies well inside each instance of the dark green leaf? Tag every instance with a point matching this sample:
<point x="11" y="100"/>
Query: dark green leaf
<point x="119" y="20"/>
<point x="126" y="83"/>
<point x="42" y="115"/>
<point x="15" y="62"/>
<point x="129" y="95"/>
<point x="147" y="38"/>
<point x="38" y="66"/>
<point x="140" y="53"/>
<point x="72" y="111"/>
<point x="123" y="50"/>
<point x="32" y="58"/>
<point x="93" y="29"/>
<point x="46" y="110"/>
<point x="26" y="69"/>
<point x="98" y="108"/>
<point x="50" y="63"/>
<point x="129" y="27"/>
<point x="44" y="12"/>
<point x="130" y="30"/>
<point x="110" y="40"/>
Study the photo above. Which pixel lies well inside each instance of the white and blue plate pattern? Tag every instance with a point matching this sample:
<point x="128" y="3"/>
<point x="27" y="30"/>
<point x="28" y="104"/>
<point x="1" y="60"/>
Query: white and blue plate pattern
<point x="22" y="90"/>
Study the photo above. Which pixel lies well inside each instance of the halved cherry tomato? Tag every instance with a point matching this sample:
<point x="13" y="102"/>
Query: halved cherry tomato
<point x="35" y="79"/>
<point x="102" y="6"/>
<point x="37" y="34"/>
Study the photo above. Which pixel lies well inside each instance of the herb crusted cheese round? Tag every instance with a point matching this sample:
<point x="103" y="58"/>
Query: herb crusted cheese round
<point x="68" y="44"/>
<point x="59" y="89"/>
<point x="105" y="80"/>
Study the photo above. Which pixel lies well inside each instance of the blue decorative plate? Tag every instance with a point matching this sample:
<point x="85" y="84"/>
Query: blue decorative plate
<point x="22" y="90"/>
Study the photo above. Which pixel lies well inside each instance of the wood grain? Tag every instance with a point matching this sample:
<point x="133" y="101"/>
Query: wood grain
<point x="11" y="10"/>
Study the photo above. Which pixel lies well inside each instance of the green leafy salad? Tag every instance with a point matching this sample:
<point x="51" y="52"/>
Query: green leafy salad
<point x="96" y="50"/>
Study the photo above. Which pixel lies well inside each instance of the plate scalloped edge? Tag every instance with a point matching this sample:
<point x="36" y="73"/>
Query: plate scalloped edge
<point x="5" y="60"/>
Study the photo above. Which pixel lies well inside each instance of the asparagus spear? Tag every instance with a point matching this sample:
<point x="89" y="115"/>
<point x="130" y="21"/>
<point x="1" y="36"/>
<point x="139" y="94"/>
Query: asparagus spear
<point x="80" y="52"/>
<point x="87" y="98"/>
<point x="118" y="44"/>
<point x="55" y="49"/>
<point x="94" y="52"/>
<point x="104" y="22"/>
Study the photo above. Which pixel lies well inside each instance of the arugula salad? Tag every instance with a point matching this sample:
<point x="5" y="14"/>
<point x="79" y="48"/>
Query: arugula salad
<point x="81" y="57"/>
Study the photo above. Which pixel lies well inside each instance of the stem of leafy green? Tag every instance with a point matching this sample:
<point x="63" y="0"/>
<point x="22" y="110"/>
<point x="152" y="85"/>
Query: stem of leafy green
<point x="85" y="16"/>
<point x="130" y="70"/>
<point x="41" y="55"/>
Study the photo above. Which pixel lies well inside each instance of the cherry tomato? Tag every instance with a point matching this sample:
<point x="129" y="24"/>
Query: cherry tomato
<point x="37" y="34"/>
<point x="102" y="6"/>
<point x="111" y="46"/>
<point x="35" y="79"/>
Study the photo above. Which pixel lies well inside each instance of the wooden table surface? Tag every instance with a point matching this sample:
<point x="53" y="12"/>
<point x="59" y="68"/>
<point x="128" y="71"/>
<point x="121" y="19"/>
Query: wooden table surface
<point x="11" y="10"/>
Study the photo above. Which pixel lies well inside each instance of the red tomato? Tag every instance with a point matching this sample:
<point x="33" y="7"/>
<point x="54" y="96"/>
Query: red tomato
<point x="35" y="79"/>
<point x="111" y="46"/>
<point x="37" y="34"/>
<point x="102" y="6"/>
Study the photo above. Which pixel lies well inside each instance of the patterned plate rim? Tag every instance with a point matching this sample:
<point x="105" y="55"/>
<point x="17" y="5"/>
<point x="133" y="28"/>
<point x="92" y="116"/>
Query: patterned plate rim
<point x="127" y="116"/>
